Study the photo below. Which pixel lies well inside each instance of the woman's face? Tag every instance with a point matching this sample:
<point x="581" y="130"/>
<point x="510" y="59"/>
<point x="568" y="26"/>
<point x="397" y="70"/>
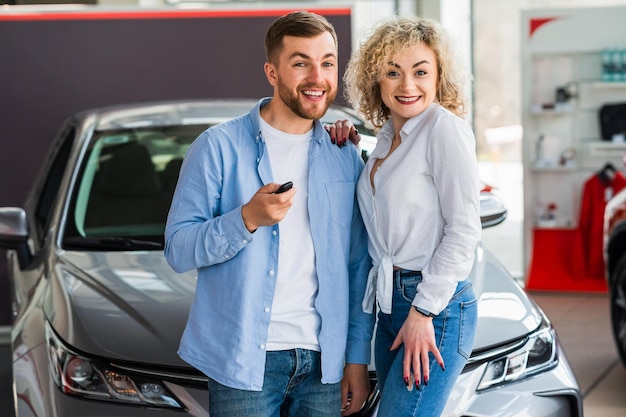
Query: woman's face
<point x="409" y="83"/>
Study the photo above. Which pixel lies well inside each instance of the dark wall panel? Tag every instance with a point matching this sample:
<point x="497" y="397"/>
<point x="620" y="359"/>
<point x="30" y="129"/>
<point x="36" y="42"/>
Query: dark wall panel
<point x="55" y="64"/>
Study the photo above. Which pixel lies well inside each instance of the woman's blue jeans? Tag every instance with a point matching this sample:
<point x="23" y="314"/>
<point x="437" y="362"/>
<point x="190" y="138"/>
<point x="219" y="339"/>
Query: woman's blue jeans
<point x="292" y="387"/>
<point x="455" y="328"/>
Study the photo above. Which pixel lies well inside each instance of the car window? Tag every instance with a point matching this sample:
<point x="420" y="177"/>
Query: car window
<point x="126" y="182"/>
<point x="51" y="175"/>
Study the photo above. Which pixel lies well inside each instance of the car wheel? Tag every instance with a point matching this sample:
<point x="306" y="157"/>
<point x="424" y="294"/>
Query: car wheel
<point x="618" y="307"/>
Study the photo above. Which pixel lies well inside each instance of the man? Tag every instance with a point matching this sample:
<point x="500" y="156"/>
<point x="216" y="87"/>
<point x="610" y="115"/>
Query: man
<point x="277" y="320"/>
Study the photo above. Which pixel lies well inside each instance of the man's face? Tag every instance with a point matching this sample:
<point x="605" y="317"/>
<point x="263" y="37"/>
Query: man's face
<point x="306" y="74"/>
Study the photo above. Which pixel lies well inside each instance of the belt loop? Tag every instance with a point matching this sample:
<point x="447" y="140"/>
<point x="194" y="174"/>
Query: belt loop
<point x="397" y="282"/>
<point x="399" y="274"/>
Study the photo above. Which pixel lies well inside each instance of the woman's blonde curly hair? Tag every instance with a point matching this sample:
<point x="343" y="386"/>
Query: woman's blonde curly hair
<point x="368" y="63"/>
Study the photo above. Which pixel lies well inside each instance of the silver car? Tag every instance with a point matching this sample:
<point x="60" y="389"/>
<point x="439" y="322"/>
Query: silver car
<point x="98" y="313"/>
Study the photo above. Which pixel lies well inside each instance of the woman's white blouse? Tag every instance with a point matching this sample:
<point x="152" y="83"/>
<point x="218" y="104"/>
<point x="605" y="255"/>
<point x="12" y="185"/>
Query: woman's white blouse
<point x="424" y="211"/>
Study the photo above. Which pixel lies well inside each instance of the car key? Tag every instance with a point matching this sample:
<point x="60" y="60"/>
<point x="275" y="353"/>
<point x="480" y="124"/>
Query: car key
<point x="285" y="187"/>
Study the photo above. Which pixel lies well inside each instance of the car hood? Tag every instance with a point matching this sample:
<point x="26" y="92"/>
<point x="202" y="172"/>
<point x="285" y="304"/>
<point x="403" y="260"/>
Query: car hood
<point x="505" y="312"/>
<point x="131" y="306"/>
<point x="127" y="306"/>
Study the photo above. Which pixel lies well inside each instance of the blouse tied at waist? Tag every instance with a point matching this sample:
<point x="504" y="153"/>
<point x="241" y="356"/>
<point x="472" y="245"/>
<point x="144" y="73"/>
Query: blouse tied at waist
<point x="379" y="286"/>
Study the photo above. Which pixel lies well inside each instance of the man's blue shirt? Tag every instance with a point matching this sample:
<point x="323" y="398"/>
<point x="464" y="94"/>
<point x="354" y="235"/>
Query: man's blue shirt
<point x="227" y="329"/>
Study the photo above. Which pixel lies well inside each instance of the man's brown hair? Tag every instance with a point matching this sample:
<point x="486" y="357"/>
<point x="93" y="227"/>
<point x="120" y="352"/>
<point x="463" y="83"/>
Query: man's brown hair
<point x="300" y="24"/>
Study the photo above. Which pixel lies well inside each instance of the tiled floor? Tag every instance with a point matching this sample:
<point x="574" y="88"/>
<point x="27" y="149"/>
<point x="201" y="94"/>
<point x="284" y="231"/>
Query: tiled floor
<point x="583" y="326"/>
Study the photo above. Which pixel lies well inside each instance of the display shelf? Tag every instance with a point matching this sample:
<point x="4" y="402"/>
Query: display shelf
<point x="602" y="148"/>
<point x="562" y="93"/>
<point x="546" y="226"/>
<point x="608" y="84"/>
<point x="539" y="109"/>
<point x="550" y="112"/>
<point x="567" y="169"/>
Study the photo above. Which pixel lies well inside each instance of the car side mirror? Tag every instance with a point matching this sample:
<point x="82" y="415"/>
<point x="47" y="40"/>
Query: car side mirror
<point x="14" y="233"/>
<point x="492" y="209"/>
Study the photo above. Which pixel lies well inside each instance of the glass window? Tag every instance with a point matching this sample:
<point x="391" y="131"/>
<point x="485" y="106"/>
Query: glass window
<point x="125" y="186"/>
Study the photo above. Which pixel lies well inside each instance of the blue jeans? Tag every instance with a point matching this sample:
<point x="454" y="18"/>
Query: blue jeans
<point x="292" y="387"/>
<point x="455" y="328"/>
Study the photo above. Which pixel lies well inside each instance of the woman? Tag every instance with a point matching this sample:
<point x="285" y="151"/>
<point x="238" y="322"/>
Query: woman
<point x="419" y="198"/>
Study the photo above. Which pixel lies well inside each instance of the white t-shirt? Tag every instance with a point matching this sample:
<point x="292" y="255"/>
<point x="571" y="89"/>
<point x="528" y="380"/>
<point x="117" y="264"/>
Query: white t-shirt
<point x="295" y="322"/>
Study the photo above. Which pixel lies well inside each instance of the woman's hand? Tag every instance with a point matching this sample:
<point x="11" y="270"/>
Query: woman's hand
<point x="418" y="336"/>
<point x="341" y="131"/>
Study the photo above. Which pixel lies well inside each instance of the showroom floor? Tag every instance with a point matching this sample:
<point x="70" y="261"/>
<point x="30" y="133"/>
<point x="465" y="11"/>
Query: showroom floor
<point x="581" y="320"/>
<point x="583" y="326"/>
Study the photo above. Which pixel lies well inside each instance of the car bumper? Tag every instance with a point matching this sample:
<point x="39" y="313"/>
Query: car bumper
<point x="554" y="393"/>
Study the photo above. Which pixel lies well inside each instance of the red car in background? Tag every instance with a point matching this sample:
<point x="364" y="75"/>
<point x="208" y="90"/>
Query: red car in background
<point x="615" y="260"/>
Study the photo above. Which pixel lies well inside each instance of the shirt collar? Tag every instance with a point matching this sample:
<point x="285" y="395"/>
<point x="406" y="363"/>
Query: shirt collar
<point x="319" y="133"/>
<point x="414" y="121"/>
<point x="385" y="135"/>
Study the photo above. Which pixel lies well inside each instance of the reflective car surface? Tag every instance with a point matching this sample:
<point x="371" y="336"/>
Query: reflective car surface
<point x="98" y="313"/>
<point x="615" y="261"/>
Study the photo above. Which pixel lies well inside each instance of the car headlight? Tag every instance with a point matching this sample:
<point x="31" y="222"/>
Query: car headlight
<point x="79" y="375"/>
<point x="536" y="354"/>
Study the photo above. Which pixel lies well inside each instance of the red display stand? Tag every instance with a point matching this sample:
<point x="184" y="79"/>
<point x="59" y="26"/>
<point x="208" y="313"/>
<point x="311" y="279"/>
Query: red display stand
<point x="565" y="82"/>
<point x="557" y="263"/>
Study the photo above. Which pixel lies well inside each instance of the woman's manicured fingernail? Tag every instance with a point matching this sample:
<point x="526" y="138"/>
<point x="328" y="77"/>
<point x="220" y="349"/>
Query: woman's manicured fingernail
<point x="408" y="380"/>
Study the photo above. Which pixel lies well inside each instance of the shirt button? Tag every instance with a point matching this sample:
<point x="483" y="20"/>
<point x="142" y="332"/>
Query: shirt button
<point x="274" y="232"/>
<point x="244" y="241"/>
<point x="267" y="309"/>
<point x="272" y="272"/>
<point x="261" y="346"/>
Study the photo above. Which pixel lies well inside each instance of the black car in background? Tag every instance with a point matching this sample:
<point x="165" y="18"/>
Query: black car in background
<point x="615" y="260"/>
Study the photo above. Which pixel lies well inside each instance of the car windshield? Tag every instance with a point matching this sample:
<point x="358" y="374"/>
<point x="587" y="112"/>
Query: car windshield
<point x="125" y="187"/>
<point x="127" y="178"/>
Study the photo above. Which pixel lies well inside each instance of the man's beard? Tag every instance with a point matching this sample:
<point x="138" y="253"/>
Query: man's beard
<point x="296" y="106"/>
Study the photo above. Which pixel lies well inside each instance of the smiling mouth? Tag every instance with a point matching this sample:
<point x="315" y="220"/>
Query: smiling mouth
<point x="314" y="94"/>
<point x="407" y="100"/>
